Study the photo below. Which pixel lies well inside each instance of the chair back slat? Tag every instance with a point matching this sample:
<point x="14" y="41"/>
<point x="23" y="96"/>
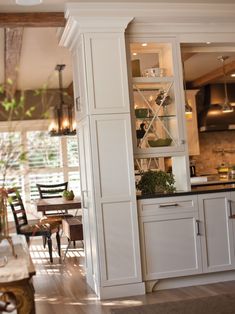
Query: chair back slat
<point x="18" y="209"/>
<point x="53" y="190"/>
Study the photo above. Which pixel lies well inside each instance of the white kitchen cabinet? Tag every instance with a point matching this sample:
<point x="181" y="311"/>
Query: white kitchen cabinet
<point x="232" y="215"/>
<point x="157" y="110"/>
<point x="156" y="97"/>
<point x="216" y="230"/>
<point x="169" y="234"/>
<point x="79" y="81"/>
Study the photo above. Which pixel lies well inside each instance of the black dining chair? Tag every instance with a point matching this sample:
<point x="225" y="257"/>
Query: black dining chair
<point x="41" y="227"/>
<point x="50" y="191"/>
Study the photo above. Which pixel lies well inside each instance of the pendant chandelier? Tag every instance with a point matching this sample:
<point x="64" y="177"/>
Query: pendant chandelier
<point x="226" y="106"/>
<point x="62" y="115"/>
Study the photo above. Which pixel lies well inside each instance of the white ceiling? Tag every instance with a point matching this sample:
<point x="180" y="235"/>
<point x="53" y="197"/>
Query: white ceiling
<point x="204" y="59"/>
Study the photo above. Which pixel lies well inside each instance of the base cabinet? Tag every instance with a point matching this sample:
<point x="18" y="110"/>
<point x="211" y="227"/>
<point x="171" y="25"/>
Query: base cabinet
<point x="187" y="235"/>
<point x="216" y="232"/>
<point x="169" y="238"/>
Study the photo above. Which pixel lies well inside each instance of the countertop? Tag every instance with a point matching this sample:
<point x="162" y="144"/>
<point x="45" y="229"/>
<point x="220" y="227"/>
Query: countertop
<point x="207" y="187"/>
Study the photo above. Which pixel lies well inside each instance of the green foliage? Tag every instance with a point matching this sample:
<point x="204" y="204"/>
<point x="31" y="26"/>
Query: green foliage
<point x="156" y="182"/>
<point x="69" y="195"/>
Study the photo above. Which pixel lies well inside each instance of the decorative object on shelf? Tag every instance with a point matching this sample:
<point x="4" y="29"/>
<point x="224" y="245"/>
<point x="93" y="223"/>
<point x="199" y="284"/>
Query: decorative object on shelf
<point x="160" y="142"/>
<point x="63" y="120"/>
<point x="28" y="2"/>
<point x="140" y="133"/>
<point x="226" y="106"/>
<point x="163" y="99"/>
<point x="152" y="182"/>
<point x="141" y="112"/>
<point x="68" y="195"/>
<point x="153" y="72"/>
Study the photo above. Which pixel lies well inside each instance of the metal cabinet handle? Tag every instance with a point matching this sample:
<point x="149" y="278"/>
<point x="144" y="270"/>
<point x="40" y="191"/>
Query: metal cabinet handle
<point x="230" y="209"/>
<point x="169" y="205"/>
<point x="198" y="227"/>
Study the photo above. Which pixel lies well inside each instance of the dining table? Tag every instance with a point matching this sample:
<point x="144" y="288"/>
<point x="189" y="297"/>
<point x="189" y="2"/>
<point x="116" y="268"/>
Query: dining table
<point x="57" y="204"/>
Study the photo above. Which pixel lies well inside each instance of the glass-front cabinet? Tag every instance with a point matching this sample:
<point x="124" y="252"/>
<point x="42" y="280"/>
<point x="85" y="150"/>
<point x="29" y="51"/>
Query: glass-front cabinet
<point x="156" y="97"/>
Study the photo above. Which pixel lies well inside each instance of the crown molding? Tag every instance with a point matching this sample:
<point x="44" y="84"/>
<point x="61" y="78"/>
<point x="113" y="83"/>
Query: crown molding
<point x="77" y="25"/>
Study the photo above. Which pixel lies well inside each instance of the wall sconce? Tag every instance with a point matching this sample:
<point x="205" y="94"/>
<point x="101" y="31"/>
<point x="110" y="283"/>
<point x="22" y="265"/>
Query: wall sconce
<point x="62" y="115"/>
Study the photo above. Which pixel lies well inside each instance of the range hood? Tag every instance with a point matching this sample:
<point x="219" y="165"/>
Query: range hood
<point x="211" y="117"/>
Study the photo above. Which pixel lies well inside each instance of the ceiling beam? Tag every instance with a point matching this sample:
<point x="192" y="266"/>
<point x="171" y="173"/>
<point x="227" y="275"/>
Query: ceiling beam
<point x="32" y="19"/>
<point x="13" y="44"/>
<point x="187" y="55"/>
<point x="213" y="75"/>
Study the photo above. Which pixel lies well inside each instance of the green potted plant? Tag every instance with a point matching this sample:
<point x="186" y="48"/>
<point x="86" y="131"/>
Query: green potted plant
<point x="152" y="182"/>
<point x="68" y="195"/>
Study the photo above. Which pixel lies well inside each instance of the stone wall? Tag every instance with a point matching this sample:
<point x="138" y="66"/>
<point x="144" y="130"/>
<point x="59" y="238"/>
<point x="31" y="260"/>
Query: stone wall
<point x="209" y="159"/>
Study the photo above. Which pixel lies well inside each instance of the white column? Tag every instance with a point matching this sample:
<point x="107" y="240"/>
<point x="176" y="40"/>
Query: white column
<point x="101" y="92"/>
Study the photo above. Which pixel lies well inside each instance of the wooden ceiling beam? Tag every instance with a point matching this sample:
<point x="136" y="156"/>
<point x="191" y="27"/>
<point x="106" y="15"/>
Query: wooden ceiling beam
<point x="32" y="19"/>
<point x="213" y="75"/>
<point x="187" y="55"/>
<point x="13" y="44"/>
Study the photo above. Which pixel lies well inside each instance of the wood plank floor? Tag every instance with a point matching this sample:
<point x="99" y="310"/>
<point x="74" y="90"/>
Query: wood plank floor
<point x="61" y="287"/>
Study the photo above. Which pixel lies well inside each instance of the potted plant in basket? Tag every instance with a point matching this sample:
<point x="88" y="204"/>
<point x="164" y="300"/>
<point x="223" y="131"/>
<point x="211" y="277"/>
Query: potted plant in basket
<point x="152" y="182"/>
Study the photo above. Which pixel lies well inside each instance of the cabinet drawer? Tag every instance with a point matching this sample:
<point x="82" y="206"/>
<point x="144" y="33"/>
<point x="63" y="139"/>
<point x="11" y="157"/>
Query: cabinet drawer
<point x="167" y="205"/>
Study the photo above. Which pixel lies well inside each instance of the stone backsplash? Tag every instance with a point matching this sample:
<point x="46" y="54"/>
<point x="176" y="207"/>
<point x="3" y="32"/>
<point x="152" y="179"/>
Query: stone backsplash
<point x="209" y="159"/>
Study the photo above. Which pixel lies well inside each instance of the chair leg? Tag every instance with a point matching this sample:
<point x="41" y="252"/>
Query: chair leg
<point x="28" y="240"/>
<point x="58" y="242"/>
<point x="74" y="243"/>
<point x="44" y="240"/>
<point x="49" y="242"/>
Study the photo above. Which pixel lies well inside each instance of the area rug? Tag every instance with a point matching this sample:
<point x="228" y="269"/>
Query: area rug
<point x="217" y="304"/>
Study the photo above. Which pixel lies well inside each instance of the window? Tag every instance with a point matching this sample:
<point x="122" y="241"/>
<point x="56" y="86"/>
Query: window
<point x="48" y="160"/>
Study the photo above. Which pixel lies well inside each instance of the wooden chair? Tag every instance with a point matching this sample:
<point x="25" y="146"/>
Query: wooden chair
<point x="42" y="228"/>
<point x="50" y="191"/>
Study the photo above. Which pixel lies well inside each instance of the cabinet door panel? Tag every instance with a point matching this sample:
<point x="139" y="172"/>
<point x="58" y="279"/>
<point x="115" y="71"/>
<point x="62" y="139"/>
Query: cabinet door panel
<point x="171" y="247"/>
<point x="217" y="238"/>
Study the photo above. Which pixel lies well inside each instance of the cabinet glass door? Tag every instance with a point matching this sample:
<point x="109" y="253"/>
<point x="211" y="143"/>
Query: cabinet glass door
<point x="154" y="97"/>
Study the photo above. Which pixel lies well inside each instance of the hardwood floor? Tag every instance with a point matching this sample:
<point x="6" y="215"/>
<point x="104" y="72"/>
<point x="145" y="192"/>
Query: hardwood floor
<point x="61" y="287"/>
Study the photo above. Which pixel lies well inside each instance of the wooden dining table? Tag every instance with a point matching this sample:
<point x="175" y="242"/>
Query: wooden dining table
<point x="57" y="203"/>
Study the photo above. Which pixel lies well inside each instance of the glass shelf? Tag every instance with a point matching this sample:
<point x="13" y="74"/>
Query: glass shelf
<point x="149" y="80"/>
<point x="161" y="117"/>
